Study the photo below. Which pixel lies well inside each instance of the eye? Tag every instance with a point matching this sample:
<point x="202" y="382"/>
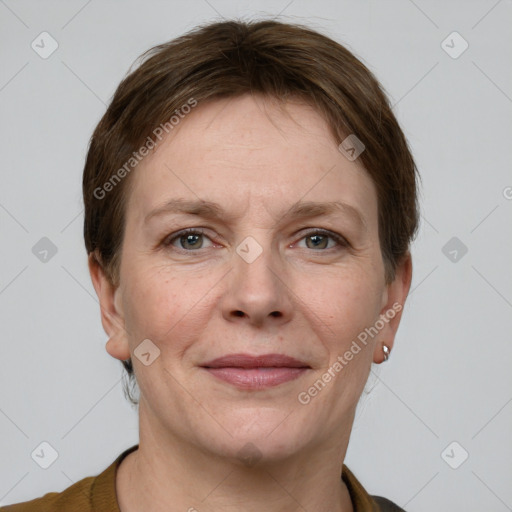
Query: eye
<point x="321" y="239"/>
<point x="189" y="240"/>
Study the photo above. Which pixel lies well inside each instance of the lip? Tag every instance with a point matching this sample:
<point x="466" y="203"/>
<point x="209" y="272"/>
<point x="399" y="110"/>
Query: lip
<point x="256" y="372"/>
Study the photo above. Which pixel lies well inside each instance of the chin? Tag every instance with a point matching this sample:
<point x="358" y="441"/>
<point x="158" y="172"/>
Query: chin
<point x="260" y="435"/>
<point x="261" y="452"/>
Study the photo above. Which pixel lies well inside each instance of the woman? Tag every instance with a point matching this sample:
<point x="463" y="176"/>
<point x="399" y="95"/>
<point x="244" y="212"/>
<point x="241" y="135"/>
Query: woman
<point x="250" y="200"/>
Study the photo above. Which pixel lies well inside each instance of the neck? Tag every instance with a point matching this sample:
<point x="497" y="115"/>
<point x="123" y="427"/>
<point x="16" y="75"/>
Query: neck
<point x="169" y="471"/>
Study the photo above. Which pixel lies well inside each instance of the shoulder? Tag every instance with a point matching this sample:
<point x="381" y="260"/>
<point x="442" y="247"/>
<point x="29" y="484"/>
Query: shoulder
<point x="386" y="505"/>
<point x="90" y="494"/>
<point x="75" y="497"/>
<point x="361" y="500"/>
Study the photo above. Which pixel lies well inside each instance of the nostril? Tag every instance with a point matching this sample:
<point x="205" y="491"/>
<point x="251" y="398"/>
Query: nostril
<point x="239" y="313"/>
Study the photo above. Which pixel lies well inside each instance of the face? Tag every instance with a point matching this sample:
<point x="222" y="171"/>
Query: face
<point x="251" y="261"/>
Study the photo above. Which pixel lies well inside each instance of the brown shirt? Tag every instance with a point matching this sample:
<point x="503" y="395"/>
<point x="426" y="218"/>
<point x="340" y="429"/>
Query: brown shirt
<point x="98" y="494"/>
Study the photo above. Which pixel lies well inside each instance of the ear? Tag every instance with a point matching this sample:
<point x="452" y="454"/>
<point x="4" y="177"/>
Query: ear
<point x="393" y="305"/>
<point x="112" y="317"/>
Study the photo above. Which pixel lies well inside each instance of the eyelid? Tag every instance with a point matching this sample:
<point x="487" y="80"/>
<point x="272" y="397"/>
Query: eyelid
<point x="339" y="239"/>
<point x="169" y="239"/>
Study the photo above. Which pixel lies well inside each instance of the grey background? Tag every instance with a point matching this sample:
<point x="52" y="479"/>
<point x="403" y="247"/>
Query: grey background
<point x="448" y="378"/>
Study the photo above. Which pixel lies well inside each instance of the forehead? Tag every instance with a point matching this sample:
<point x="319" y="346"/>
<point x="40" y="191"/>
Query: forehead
<point x="250" y="152"/>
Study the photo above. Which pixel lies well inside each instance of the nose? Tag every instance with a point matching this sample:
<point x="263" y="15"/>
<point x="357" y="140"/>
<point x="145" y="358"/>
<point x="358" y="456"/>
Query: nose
<point x="257" y="292"/>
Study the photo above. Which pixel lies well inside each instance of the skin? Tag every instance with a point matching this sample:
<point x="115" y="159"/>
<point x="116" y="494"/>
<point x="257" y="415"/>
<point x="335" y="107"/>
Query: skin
<point x="305" y="296"/>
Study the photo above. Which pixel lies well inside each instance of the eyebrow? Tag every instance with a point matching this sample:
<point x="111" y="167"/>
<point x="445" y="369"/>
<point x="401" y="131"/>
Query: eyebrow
<point x="300" y="209"/>
<point x="200" y="208"/>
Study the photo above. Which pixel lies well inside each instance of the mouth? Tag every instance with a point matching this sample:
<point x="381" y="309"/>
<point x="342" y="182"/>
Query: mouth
<point x="256" y="372"/>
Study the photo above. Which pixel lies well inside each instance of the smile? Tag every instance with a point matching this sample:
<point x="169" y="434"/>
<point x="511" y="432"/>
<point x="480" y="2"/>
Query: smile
<point x="256" y="372"/>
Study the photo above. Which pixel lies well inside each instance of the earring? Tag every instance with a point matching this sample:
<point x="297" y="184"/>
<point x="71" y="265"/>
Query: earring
<point x="385" y="349"/>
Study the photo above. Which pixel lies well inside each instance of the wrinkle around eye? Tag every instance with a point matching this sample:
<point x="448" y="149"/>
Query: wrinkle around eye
<point x="174" y="240"/>
<point x="170" y="240"/>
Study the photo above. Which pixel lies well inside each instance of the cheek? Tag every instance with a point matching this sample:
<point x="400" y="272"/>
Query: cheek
<point x="163" y="307"/>
<point x="342" y="305"/>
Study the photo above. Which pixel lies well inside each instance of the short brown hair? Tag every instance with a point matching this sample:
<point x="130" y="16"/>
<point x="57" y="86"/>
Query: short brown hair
<point x="229" y="59"/>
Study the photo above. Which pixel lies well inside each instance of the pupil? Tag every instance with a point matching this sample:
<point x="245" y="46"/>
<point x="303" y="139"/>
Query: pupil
<point x="190" y="240"/>
<point x="318" y="240"/>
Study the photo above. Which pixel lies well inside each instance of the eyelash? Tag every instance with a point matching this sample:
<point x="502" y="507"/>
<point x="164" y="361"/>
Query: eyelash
<point x="341" y="241"/>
